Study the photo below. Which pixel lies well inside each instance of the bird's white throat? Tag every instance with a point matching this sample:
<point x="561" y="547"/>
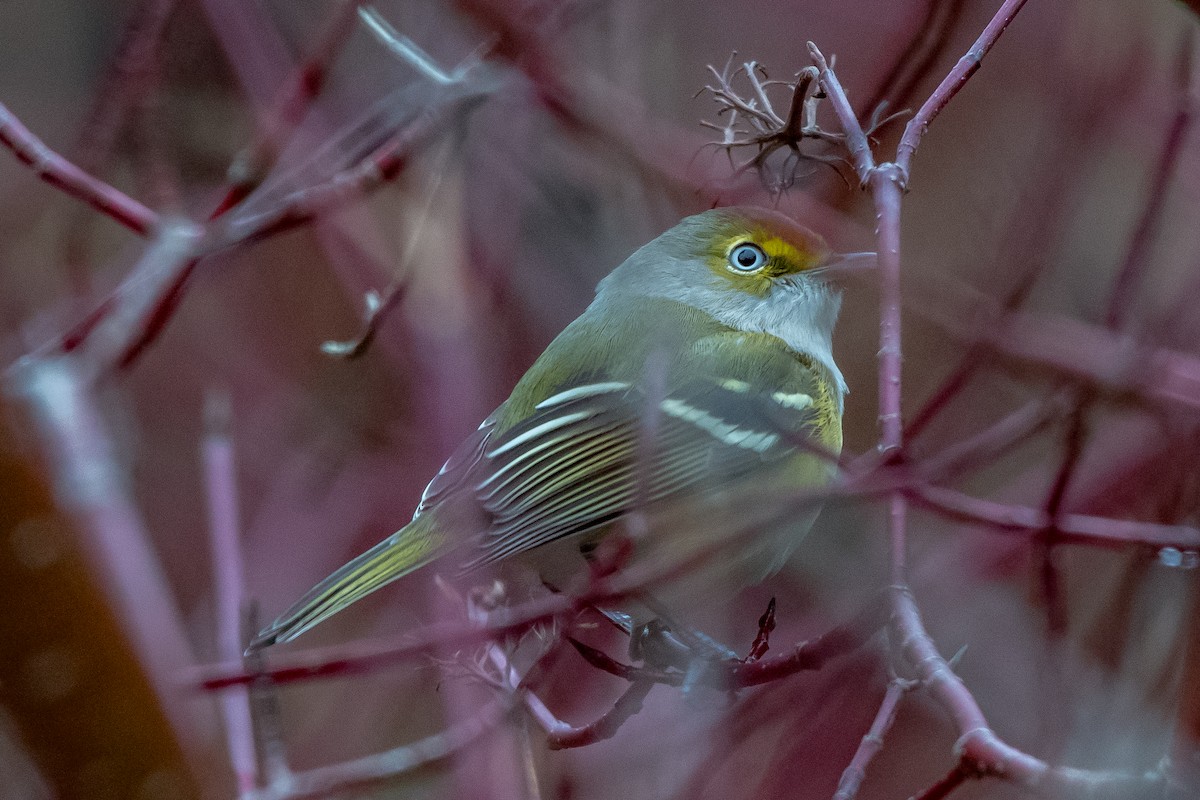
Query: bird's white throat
<point x="799" y="310"/>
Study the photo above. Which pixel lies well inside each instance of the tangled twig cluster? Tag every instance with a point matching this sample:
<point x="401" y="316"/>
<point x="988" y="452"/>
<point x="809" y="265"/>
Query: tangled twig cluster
<point x="752" y="123"/>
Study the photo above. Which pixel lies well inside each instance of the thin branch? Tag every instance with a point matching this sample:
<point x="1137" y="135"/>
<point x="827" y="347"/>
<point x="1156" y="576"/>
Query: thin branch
<point x="62" y="174"/>
<point x="872" y="742"/>
<point x="128" y="89"/>
<point x="220" y="481"/>
<point x="1122" y="295"/>
<point x="408" y="50"/>
<point x="915" y="130"/>
<point x="125" y="81"/>
<point x="930" y="39"/>
<point x="292" y="101"/>
<point x="981" y="753"/>
<point x="383" y="164"/>
<point x="606" y="726"/>
<point x="1110" y="361"/>
<point x="944" y="786"/>
<point x="1071" y="528"/>
<point x="563" y="735"/>
<point x="378" y="308"/>
<point x="986" y="446"/>
<point x="856" y="140"/>
<point x="145" y="299"/>
<point x="809" y="655"/>
<point x="1045" y="539"/>
<point x="382" y="767"/>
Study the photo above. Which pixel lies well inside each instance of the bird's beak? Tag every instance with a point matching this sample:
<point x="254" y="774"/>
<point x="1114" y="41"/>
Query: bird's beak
<point x="846" y="265"/>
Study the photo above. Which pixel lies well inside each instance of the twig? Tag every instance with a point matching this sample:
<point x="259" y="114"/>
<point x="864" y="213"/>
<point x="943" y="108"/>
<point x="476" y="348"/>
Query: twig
<point x="1071" y="528"/>
<point x="62" y="174"/>
<point x="806" y="656"/>
<point x="929" y="41"/>
<point x="1122" y="295"/>
<point x="563" y="735"/>
<point x="1047" y="537"/>
<point x="383" y="164"/>
<point x="408" y="50"/>
<point x="1112" y="362"/>
<point x="606" y="726"/>
<point x="378" y="308"/>
<point x="987" y="445"/>
<point x="125" y="81"/>
<point x="944" y="786"/>
<point x="382" y="767"/>
<point x="856" y="140"/>
<point x="915" y="130"/>
<point x="980" y="752"/>
<point x="762" y="640"/>
<point x="128" y="84"/>
<point x="219" y="471"/>
<point x="291" y="102"/>
<point x="142" y="303"/>
<point x="872" y="743"/>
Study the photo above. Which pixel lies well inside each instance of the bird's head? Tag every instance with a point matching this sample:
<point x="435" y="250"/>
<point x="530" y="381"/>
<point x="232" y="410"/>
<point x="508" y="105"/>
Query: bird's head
<point x="751" y="269"/>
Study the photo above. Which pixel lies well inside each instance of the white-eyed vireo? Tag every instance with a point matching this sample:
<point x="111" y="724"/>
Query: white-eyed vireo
<point x="704" y="361"/>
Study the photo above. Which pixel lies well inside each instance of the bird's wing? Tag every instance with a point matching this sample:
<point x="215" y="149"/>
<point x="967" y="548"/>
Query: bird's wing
<point x="591" y="452"/>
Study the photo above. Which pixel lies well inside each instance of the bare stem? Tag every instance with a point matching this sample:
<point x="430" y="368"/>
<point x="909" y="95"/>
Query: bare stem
<point x="872" y="743"/>
<point x="219" y="472"/>
<point x="915" y="130"/>
<point x="62" y="174"/>
<point x="628" y="704"/>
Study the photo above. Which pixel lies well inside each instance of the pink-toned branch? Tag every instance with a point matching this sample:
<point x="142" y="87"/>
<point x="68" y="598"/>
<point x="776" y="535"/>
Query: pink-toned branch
<point x="872" y="742"/>
<point x="362" y="657"/>
<point x="944" y="786"/>
<point x="930" y="37"/>
<point x="809" y="655"/>
<point x="1110" y="361"/>
<point x="607" y="725"/>
<point x="380" y="768"/>
<point x="915" y="130"/>
<point x="1122" y="296"/>
<point x="292" y="100"/>
<point x="223" y="522"/>
<point x="62" y="174"/>
<point x="142" y="303"/>
<point x="1071" y="528"/>
<point x="980" y="752"/>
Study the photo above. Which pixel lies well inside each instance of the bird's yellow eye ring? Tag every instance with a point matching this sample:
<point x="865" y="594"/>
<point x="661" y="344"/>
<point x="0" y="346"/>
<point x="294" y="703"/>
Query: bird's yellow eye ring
<point x="747" y="258"/>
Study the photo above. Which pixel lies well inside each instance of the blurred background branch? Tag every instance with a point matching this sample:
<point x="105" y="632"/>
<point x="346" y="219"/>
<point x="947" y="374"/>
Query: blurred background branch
<point x="471" y="169"/>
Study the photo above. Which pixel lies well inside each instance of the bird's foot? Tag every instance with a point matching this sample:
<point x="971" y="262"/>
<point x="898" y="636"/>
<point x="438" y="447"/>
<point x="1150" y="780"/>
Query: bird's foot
<point x="657" y="645"/>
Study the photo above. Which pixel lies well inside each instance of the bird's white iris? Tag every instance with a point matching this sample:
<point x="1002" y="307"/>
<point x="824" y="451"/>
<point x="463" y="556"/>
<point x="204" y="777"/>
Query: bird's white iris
<point x="747" y="258"/>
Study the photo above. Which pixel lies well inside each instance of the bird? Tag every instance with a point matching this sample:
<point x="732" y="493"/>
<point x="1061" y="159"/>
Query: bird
<point x="704" y="362"/>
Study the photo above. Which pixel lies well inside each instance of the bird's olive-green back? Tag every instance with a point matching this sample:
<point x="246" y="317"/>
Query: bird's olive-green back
<point x="647" y="339"/>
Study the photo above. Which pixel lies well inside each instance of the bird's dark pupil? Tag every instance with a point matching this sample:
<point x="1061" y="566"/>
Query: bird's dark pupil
<point x="747" y="257"/>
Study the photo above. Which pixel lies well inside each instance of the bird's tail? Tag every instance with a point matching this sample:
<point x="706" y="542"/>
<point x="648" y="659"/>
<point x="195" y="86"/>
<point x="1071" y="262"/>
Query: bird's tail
<point x="409" y="549"/>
